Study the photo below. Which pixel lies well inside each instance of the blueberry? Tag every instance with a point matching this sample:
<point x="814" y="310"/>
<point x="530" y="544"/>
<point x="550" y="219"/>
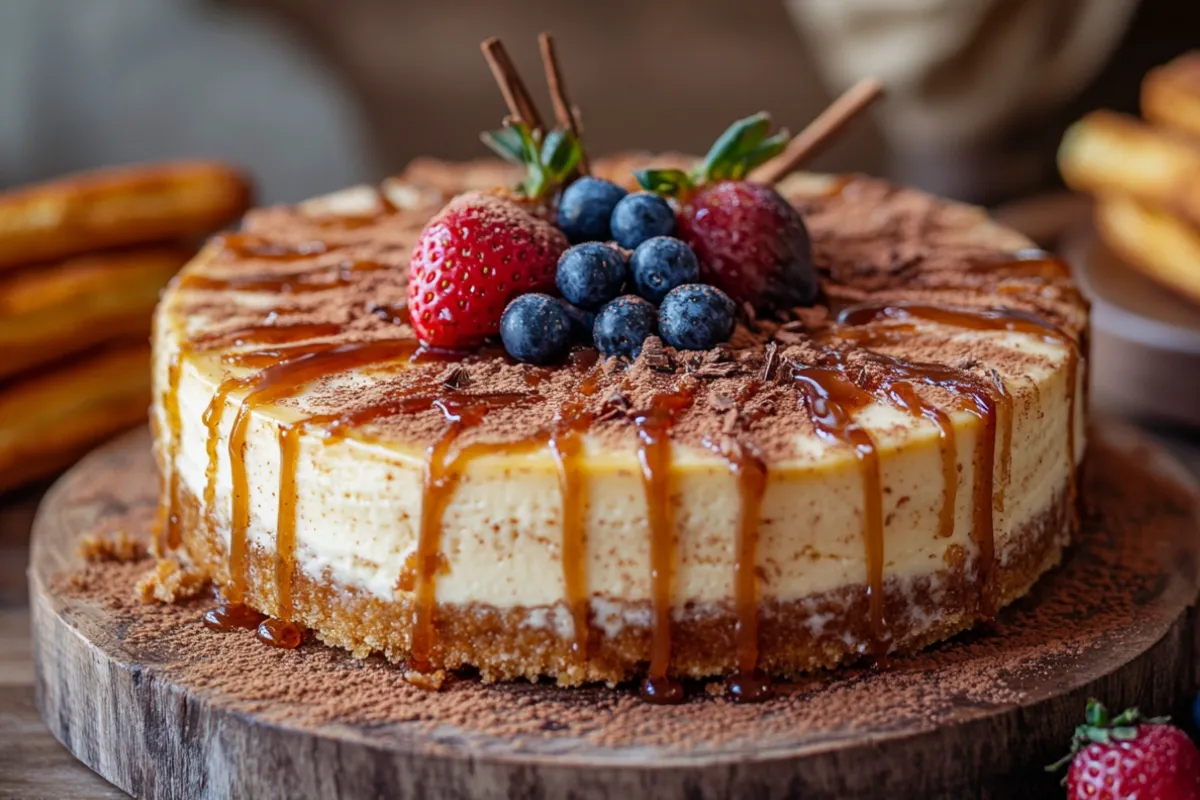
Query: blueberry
<point x="582" y="321"/>
<point x="535" y="328"/>
<point x="590" y="274"/>
<point x="695" y="316"/>
<point x="585" y="208"/>
<point x="660" y="264"/>
<point x="622" y="326"/>
<point x="641" y="216"/>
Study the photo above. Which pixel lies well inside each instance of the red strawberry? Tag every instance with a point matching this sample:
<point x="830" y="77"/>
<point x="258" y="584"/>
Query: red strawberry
<point x="751" y="243"/>
<point x="483" y="249"/>
<point x="476" y="255"/>
<point x="1129" y="757"/>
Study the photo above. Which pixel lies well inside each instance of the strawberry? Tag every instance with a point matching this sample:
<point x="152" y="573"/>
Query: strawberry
<point x="485" y="248"/>
<point x="1130" y="757"/>
<point x="751" y="243"/>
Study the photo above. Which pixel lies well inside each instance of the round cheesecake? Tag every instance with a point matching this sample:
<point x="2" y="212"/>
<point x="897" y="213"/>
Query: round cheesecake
<point x="865" y="476"/>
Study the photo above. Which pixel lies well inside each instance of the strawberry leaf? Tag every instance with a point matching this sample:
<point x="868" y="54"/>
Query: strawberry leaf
<point x="667" y="182"/>
<point x="560" y="154"/>
<point x="505" y="143"/>
<point x="738" y="140"/>
<point x="766" y="150"/>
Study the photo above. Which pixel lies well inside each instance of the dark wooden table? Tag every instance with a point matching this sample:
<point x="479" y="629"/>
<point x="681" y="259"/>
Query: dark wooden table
<point x="33" y="765"/>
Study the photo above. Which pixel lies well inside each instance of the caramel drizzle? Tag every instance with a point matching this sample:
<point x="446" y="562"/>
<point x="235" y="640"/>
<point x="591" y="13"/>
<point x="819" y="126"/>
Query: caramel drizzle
<point x="303" y="282"/>
<point x="992" y="405"/>
<point x="566" y="445"/>
<point x="251" y="245"/>
<point x="904" y="395"/>
<point x="442" y="475"/>
<point x="654" y="455"/>
<point x="280" y="333"/>
<point x="167" y="528"/>
<point x="747" y="465"/>
<point x="285" y="525"/>
<point x="831" y="400"/>
<point x="746" y="684"/>
<point x="279" y="381"/>
<point x="995" y="319"/>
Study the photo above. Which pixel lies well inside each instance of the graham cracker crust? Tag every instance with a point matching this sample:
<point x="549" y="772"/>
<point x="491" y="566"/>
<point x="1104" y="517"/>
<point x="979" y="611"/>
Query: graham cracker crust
<point x="795" y="637"/>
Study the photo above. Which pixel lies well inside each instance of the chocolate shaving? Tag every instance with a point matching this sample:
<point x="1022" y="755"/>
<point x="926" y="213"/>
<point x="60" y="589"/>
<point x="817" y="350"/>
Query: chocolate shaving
<point x="617" y="405"/>
<point x="456" y="378"/>
<point x="718" y="370"/>
<point x="655" y="355"/>
<point x="770" y="357"/>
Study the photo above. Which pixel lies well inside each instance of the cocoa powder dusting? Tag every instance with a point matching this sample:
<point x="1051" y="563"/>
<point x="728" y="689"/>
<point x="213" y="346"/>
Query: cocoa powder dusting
<point x="872" y="241"/>
<point x="1119" y="567"/>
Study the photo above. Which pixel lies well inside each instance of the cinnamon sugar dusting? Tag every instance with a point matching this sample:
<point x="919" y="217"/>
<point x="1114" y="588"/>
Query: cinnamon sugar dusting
<point x="1122" y="564"/>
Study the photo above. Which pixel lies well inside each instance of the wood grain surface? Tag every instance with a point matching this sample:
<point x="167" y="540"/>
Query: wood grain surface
<point x="135" y="719"/>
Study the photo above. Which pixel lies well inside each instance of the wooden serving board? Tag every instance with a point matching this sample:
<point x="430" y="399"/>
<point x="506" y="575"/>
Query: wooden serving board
<point x="144" y="698"/>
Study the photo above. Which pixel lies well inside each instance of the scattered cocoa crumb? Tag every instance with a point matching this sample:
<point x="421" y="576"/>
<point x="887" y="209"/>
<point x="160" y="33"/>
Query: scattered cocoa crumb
<point x="721" y="402"/>
<point x="655" y="356"/>
<point x="1102" y="595"/>
<point x="117" y="546"/>
<point x="170" y="582"/>
<point x="456" y="377"/>
<point x="770" y="357"/>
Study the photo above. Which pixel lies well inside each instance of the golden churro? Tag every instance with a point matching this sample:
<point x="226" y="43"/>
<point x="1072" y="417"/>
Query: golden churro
<point x="49" y="420"/>
<point x="118" y="207"/>
<point x="1161" y="246"/>
<point x="52" y="311"/>
<point x="1111" y="153"/>
<point x="1171" y="94"/>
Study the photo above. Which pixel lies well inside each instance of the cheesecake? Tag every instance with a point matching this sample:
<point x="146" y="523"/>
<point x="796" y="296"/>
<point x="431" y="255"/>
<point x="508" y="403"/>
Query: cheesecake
<point x="865" y="476"/>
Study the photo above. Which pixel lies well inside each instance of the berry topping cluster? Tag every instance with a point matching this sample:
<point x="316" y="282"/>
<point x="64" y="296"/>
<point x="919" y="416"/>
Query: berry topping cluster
<point x="574" y="259"/>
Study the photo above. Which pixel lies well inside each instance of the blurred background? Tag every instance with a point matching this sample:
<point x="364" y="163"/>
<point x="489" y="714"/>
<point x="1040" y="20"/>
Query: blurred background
<point x="313" y="95"/>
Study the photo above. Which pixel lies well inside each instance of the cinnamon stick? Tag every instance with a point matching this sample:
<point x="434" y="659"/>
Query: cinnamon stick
<point x="565" y="113"/>
<point x="516" y="96"/>
<point x="820" y="131"/>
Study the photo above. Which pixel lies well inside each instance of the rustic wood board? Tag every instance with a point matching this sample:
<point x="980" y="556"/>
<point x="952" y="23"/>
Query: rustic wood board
<point x="1123" y="602"/>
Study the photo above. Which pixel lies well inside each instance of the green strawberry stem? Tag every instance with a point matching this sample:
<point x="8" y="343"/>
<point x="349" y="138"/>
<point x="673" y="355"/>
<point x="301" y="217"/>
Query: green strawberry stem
<point x="743" y="146"/>
<point x="549" y="160"/>
<point x="1101" y="729"/>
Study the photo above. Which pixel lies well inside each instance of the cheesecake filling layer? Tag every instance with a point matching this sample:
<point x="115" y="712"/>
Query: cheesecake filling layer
<point x="357" y="518"/>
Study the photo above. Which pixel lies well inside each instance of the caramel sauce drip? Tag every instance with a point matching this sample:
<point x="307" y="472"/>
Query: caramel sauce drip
<point x="281" y="333"/>
<point x="167" y="527"/>
<point x="654" y="455"/>
<point x="995" y="319"/>
<point x="284" y="379"/>
<point x="904" y="395"/>
<point x="746" y="685"/>
<point x="443" y="471"/>
<point x="832" y="399"/>
<point x="566" y="444"/>
<point x="228" y="617"/>
<point x="250" y="245"/>
<point x="747" y="465"/>
<point x="285" y="525"/>
<point x="277" y="633"/>
<point x="302" y="282"/>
